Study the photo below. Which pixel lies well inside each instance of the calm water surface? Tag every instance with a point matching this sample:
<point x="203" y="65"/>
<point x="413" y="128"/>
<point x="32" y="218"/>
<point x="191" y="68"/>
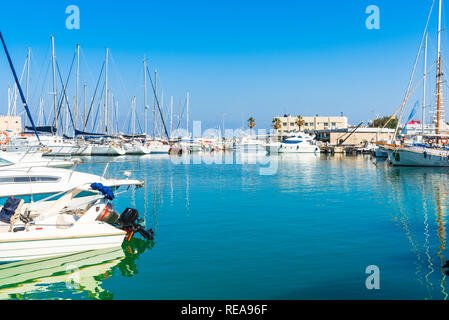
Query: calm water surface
<point x="224" y="231"/>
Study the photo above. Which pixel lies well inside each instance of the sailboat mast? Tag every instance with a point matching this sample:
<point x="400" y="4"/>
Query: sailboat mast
<point x="171" y="116"/>
<point x="424" y="85"/>
<point x="54" y="82"/>
<point x="187" y="115"/>
<point x="77" y="82"/>
<point x="84" y="111"/>
<point x="28" y="83"/>
<point x="155" y="103"/>
<point x="133" y="106"/>
<point x="145" y="94"/>
<point x="106" y="93"/>
<point x="439" y="72"/>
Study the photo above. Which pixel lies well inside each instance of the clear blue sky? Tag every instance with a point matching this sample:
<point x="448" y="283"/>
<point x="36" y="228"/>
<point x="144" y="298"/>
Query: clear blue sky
<point x="243" y="58"/>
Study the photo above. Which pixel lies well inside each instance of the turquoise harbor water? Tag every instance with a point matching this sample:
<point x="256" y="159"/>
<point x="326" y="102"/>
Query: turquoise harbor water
<point x="224" y="231"/>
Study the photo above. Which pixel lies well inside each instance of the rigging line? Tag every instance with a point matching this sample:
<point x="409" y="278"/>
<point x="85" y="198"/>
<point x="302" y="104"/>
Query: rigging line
<point x="16" y="89"/>
<point x="414" y="67"/>
<point x="157" y="102"/>
<point x="42" y="68"/>
<point x="128" y="118"/>
<point x="182" y="113"/>
<point x="63" y="87"/>
<point x="64" y="91"/>
<point x="94" y="125"/>
<point x="138" y="122"/>
<point x="406" y="99"/>
<point x="95" y="93"/>
<point x="45" y="78"/>
<point x="115" y="70"/>
<point x="84" y="58"/>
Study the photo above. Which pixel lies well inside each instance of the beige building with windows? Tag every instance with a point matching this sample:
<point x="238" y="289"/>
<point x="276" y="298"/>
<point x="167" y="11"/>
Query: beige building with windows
<point x="11" y="123"/>
<point x="355" y="137"/>
<point x="288" y="123"/>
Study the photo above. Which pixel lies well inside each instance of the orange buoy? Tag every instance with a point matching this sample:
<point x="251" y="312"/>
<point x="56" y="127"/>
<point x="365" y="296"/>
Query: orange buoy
<point x="4" y="137"/>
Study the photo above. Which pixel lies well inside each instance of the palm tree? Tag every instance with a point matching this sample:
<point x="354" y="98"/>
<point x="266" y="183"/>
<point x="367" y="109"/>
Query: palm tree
<point x="251" y="124"/>
<point x="277" y="124"/>
<point x="299" y="122"/>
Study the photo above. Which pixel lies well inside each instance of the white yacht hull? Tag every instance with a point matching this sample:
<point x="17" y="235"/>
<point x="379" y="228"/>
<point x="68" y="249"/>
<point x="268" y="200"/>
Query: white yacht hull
<point x="55" y="150"/>
<point x="105" y="150"/>
<point x="251" y="148"/>
<point x="156" y="148"/>
<point x="293" y="148"/>
<point x="137" y="150"/>
<point x="35" y="244"/>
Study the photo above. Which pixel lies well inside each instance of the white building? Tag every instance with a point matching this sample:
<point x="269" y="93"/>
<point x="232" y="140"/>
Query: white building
<point x="288" y="123"/>
<point x="11" y="124"/>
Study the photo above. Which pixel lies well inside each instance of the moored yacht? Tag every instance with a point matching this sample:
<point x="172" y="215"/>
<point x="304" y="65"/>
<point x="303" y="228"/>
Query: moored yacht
<point x="299" y="143"/>
<point x="158" y="147"/>
<point x="250" y="145"/>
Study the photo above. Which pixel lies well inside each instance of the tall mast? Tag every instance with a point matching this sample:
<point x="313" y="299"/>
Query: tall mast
<point x="171" y="116"/>
<point x="162" y="110"/>
<point x="187" y="114"/>
<point x="84" y="112"/>
<point x="9" y="100"/>
<point x="106" y="93"/>
<point x="54" y="82"/>
<point x="439" y="72"/>
<point x="424" y="85"/>
<point x="145" y="94"/>
<point x="28" y="82"/>
<point x="116" y="118"/>
<point x="155" y="102"/>
<point x="133" y="112"/>
<point x="77" y="82"/>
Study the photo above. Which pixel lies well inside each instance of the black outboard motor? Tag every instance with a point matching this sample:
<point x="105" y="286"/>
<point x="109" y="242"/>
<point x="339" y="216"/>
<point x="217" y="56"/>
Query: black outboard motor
<point x="128" y="221"/>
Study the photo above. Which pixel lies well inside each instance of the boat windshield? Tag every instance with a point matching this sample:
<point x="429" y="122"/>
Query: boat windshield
<point x="4" y="162"/>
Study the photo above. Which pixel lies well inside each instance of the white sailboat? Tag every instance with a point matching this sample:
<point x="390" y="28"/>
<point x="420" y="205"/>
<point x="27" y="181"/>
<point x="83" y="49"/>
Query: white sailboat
<point x="426" y="149"/>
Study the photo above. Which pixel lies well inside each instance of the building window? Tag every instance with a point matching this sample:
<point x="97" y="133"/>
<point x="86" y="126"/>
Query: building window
<point x="284" y="124"/>
<point x="292" y="124"/>
<point x="334" y="124"/>
<point x="326" y="124"/>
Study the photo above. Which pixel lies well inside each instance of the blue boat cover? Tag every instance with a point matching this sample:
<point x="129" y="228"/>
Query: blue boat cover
<point x="9" y="209"/>
<point x="106" y="191"/>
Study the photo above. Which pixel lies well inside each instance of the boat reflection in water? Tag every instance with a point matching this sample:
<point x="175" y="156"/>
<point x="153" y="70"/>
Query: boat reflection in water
<point x="79" y="275"/>
<point x="423" y="222"/>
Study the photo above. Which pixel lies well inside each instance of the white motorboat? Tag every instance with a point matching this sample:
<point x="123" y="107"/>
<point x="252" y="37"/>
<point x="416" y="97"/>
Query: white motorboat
<point x="17" y="160"/>
<point x="250" y="145"/>
<point x="47" y="229"/>
<point x="38" y="183"/>
<point x="300" y="143"/>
